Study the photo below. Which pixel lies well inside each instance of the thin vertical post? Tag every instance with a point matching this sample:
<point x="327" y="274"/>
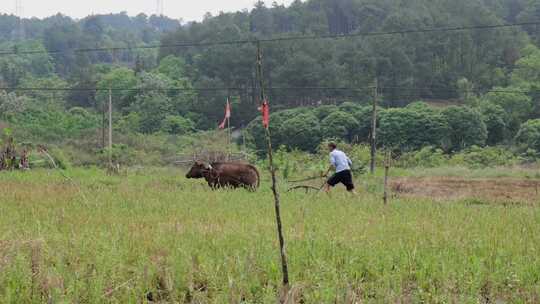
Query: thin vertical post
<point x="229" y="135"/>
<point x="284" y="266"/>
<point x="110" y="128"/>
<point x="386" y="172"/>
<point x="103" y="128"/>
<point x="374" y="128"/>
<point x="243" y="140"/>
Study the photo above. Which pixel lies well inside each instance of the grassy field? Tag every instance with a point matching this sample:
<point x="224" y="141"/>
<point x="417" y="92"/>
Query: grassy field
<point x="153" y="235"/>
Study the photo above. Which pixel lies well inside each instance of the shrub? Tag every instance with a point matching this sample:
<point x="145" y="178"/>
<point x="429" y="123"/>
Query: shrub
<point x="409" y="129"/>
<point x="59" y="158"/>
<point x="528" y="137"/>
<point x="340" y="125"/>
<point x="466" y="127"/>
<point x="495" y="119"/>
<point x="301" y="132"/>
<point x="477" y="157"/>
<point x="323" y="111"/>
<point x="427" y="157"/>
<point x="256" y="134"/>
<point x="174" y="124"/>
<point x="518" y="105"/>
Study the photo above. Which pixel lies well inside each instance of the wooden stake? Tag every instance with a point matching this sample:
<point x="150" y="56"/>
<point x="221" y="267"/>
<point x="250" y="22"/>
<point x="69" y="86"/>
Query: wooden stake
<point x="103" y="128"/>
<point x="229" y="136"/>
<point x="284" y="266"/>
<point x="374" y="128"/>
<point x="110" y="128"/>
<point x="386" y="171"/>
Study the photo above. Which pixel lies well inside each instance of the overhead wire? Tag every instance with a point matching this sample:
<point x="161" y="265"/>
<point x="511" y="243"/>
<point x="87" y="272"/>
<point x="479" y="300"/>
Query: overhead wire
<point x="276" y="39"/>
<point x="218" y="89"/>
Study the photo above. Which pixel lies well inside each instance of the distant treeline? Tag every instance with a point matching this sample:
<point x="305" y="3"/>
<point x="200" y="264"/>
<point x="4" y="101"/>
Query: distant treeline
<point x="493" y="72"/>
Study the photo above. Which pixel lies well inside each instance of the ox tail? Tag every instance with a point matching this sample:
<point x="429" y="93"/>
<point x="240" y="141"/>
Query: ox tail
<point x="258" y="176"/>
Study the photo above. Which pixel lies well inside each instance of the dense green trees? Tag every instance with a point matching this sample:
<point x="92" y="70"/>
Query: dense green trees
<point x="409" y="67"/>
<point x="529" y="135"/>
<point x="403" y="129"/>
<point x="117" y="79"/>
<point x="340" y="124"/>
<point x="466" y="127"/>
<point x="495" y="73"/>
<point x="412" y="128"/>
<point x="302" y="131"/>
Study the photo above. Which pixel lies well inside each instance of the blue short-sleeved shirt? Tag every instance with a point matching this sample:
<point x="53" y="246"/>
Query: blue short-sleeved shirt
<point x="340" y="160"/>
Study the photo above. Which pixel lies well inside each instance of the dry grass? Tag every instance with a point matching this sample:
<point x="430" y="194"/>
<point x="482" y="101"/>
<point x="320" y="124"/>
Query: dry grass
<point x="489" y="190"/>
<point x="154" y="237"/>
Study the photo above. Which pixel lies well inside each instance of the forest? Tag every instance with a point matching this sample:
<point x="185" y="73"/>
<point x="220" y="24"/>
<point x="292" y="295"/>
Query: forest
<point x="450" y="90"/>
<point x="102" y="117"/>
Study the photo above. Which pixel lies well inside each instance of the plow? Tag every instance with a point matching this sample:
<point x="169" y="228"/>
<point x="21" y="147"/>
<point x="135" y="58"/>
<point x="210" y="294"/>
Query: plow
<point x="307" y="188"/>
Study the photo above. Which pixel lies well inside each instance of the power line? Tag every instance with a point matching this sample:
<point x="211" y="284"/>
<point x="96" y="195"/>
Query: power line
<point x="177" y="89"/>
<point x="159" y="7"/>
<point x="224" y="89"/>
<point x="445" y="90"/>
<point x="278" y="39"/>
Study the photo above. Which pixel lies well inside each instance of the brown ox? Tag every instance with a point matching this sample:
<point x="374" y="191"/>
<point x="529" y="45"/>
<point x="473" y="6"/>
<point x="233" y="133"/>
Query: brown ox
<point x="232" y="175"/>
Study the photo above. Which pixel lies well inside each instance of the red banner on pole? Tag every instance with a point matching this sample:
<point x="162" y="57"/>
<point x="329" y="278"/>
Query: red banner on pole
<point x="265" y="110"/>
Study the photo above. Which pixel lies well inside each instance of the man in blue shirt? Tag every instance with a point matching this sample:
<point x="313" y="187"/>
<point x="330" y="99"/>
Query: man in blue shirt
<point x="342" y="164"/>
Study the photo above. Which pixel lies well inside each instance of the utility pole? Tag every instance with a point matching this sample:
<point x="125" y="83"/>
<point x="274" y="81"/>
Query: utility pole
<point x="284" y="266"/>
<point x="103" y="128"/>
<point x="110" y="128"/>
<point x="387" y="161"/>
<point x="229" y="134"/>
<point x="19" y="13"/>
<point x="159" y="7"/>
<point x="374" y="127"/>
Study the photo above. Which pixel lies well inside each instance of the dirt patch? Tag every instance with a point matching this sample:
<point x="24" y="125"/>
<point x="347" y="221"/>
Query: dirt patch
<point x="501" y="190"/>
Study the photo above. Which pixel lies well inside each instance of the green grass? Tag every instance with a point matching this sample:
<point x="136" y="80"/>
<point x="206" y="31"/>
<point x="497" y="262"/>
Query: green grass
<point x="116" y="239"/>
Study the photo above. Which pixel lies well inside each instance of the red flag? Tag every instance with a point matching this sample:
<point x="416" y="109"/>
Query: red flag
<point x="227" y="115"/>
<point x="265" y="110"/>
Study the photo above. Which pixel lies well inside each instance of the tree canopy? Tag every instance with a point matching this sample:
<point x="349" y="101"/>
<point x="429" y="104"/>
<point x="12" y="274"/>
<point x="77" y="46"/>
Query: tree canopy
<point x="478" y="86"/>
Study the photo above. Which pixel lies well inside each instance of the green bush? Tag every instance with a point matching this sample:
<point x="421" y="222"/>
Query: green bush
<point x="495" y="119"/>
<point x="340" y="125"/>
<point x="528" y="137"/>
<point x="60" y="158"/>
<point x="466" y="127"/>
<point x="323" y="111"/>
<point x="121" y="154"/>
<point x="295" y="163"/>
<point x="409" y="129"/>
<point x="427" y="157"/>
<point x="175" y="124"/>
<point x="255" y="131"/>
<point x="477" y="157"/>
<point x="301" y="132"/>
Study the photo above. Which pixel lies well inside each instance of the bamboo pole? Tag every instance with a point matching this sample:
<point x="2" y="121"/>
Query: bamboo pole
<point x="229" y="134"/>
<point x="374" y="128"/>
<point x="386" y="172"/>
<point x="275" y="192"/>
<point x="103" y="128"/>
<point x="110" y="129"/>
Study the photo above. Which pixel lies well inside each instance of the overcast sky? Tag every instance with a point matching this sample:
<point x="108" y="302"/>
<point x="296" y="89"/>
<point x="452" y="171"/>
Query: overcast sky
<point x="187" y="10"/>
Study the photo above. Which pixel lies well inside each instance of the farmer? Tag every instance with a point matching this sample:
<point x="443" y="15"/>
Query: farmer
<point x="342" y="164"/>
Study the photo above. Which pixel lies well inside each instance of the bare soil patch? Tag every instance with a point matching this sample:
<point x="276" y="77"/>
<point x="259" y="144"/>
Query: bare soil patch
<point x="500" y="190"/>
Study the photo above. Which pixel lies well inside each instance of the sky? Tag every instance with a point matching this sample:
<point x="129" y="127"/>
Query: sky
<point x="187" y="10"/>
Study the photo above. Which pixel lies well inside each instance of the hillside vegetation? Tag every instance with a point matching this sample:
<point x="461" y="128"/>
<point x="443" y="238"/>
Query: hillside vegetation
<point x="493" y="74"/>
